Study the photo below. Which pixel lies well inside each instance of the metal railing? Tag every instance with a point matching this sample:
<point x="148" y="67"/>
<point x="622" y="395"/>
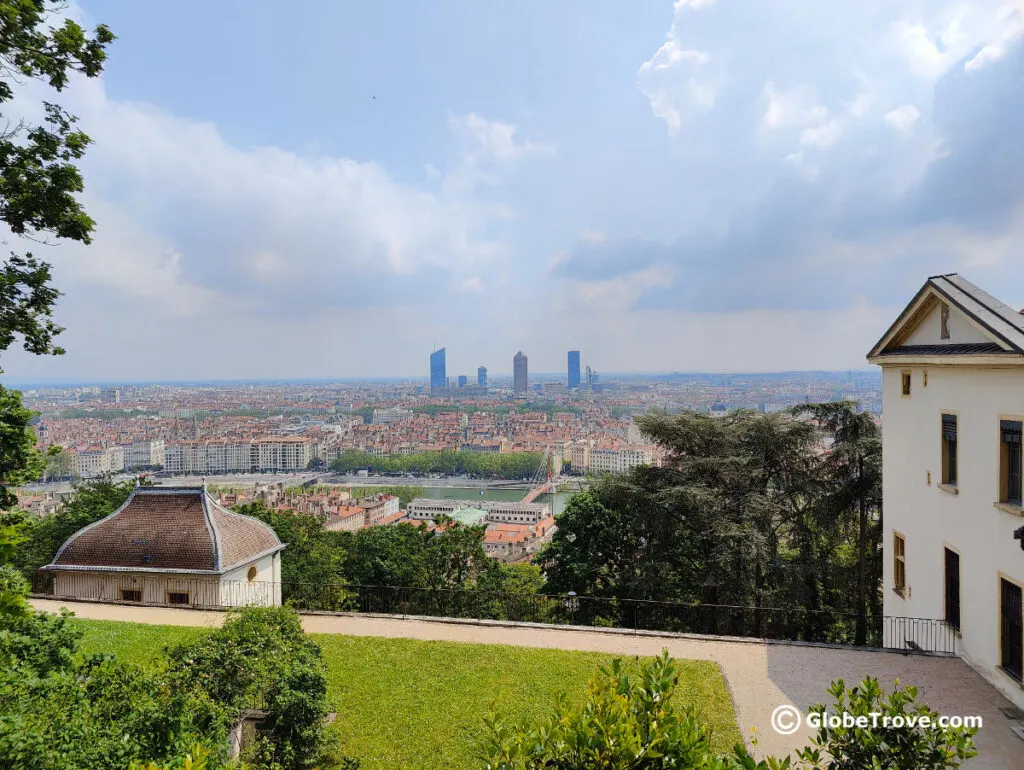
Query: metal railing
<point x="772" y="623"/>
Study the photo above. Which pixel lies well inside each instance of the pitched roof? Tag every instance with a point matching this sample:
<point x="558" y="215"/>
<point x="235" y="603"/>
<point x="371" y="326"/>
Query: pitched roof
<point x="1000" y="321"/>
<point x="168" y="529"/>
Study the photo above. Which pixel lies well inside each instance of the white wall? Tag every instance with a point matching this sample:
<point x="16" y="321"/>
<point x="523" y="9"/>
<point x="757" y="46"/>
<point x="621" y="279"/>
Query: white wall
<point x="961" y="330"/>
<point x="931" y="518"/>
<point x="107" y="586"/>
<point x="237" y="590"/>
<point x="233" y="589"/>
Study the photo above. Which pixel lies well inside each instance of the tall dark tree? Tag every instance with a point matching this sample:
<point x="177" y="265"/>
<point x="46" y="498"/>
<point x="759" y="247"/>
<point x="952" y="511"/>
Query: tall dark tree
<point x="852" y="466"/>
<point x="39" y="182"/>
<point x="752" y="510"/>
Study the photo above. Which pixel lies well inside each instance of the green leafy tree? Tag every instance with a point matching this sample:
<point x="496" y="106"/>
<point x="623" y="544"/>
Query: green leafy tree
<point x="852" y="496"/>
<point x="388" y="556"/>
<point x="455" y="555"/>
<point x="20" y="461"/>
<point x="750" y="510"/>
<point x="38" y="185"/>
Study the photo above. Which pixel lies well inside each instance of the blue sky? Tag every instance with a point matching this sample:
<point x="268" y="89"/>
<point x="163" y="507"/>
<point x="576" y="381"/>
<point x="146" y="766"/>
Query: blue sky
<point x="329" y="189"/>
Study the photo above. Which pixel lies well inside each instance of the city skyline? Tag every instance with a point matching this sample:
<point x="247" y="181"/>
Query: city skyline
<point x="628" y="169"/>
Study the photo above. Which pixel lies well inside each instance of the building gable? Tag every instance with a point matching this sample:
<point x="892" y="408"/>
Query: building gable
<point x="950" y="316"/>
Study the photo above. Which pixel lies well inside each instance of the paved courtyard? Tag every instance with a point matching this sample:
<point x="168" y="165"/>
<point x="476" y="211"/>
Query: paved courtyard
<point x="760" y="676"/>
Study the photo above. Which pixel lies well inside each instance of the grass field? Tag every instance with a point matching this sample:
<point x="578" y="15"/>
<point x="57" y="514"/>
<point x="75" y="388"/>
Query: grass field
<point x="404" y="703"/>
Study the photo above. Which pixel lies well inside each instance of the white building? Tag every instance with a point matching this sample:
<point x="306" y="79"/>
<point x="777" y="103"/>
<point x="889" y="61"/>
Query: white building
<point x="96" y="461"/>
<point x="953" y="400"/>
<point x="389" y="416"/>
<point x="617" y="460"/>
<point x="142" y="454"/>
<point x="498" y="511"/>
<point x="221" y="456"/>
<point x="171" y="545"/>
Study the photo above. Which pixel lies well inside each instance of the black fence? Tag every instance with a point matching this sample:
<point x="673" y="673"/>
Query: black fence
<point x="774" y="623"/>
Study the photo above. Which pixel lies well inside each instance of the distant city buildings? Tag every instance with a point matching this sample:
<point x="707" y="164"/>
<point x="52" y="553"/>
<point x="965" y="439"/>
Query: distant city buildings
<point x="619" y="459"/>
<point x="222" y="456"/>
<point x="574" y="369"/>
<point x="481" y="377"/>
<point x="463" y="380"/>
<point x="438" y="372"/>
<point x="519" y="373"/>
<point x="389" y="416"/>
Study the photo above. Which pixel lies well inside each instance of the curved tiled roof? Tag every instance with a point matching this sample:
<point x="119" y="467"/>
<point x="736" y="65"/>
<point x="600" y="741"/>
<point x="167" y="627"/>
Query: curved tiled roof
<point x="178" y="529"/>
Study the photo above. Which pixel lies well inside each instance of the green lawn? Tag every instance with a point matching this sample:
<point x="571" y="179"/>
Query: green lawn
<point x="404" y="703"/>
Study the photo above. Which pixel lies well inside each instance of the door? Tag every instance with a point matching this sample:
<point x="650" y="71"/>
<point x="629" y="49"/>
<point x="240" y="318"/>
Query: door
<point x="953" y="589"/>
<point x="1012" y="629"/>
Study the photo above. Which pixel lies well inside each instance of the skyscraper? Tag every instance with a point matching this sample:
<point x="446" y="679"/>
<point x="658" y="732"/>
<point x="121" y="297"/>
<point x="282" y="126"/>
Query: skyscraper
<point x="463" y="380"/>
<point x="574" y="369"/>
<point x="519" y="372"/>
<point x="438" y="375"/>
<point x="481" y="377"/>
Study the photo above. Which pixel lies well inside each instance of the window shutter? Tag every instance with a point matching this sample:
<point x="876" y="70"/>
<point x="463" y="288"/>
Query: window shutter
<point x="949" y="427"/>
<point x="1011" y="431"/>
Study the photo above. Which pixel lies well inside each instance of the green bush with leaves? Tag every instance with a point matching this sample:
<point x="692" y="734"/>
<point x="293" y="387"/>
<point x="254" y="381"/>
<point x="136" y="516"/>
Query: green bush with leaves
<point x="262" y="657"/>
<point x="631" y="719"/>
<point x="917" y="742"/>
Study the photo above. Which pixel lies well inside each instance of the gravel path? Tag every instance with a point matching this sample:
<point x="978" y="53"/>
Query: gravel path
<point x="760" y="676"/>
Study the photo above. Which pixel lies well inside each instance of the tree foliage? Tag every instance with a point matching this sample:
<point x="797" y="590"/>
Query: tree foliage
<point x="632" y="719"/>
<point x="752" y="510"/>
<point x="39" y="180"/>
<point x="513" y="465"/>
<point x="20" y="461"/>
<point x="262" y="656"/>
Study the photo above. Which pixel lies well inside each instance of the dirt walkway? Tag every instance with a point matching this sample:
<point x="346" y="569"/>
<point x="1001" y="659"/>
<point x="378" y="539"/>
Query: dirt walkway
<point x="760" y="676"/>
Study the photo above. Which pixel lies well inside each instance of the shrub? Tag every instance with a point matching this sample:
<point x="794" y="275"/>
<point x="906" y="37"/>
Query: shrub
<point x="262" y="657"/>
<point x="628" y="719"/>
<point x="907" y="746"/>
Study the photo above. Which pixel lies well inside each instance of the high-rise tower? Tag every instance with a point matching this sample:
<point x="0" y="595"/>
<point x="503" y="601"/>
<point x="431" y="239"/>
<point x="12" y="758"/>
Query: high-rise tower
<point x="574" y="369"/>
<point x="519" y="372"/>
<point x="438" y="374"/>
<point x="481" y="377"/>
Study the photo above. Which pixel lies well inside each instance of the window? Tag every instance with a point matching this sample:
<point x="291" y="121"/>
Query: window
<point x="899" y="565"/>
<point x="251" y="574"/>
<point x="131" y="595"/>
<point x="906" y="383"/>
<point x="953" y="588"/>
<point x="1011" y="631"/>
<point x="1010" y="461"/>
<point x="944" y="321"/>
<point x="949" y="449"/>
<point x="177" y="597"/>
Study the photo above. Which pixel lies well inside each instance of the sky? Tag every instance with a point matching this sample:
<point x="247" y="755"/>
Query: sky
<point x="305" y="189"/>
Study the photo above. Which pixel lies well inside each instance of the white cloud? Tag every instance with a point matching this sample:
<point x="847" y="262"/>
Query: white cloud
<point x="821" y="136"/>
<point x="795" y="108"/>
<point x="672" y="98"/>
<point x="495" y="139"/>
<point x="903" y="118"/>
<point x="693" y="4"/>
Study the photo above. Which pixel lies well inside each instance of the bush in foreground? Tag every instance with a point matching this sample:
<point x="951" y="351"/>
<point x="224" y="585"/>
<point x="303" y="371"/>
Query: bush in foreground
<point x="631" y="719"/>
